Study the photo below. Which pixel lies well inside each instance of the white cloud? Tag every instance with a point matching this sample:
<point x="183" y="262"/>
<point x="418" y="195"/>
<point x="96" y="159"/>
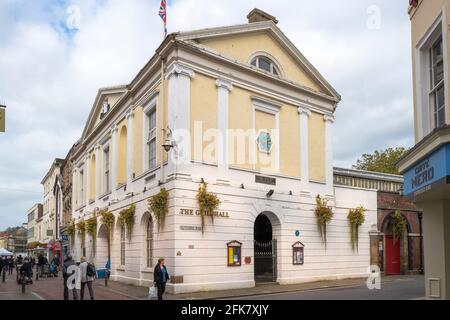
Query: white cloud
<point x="50" y="77"/>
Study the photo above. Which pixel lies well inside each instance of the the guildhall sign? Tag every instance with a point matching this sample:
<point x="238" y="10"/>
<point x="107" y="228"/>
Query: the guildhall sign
<point x="431" y="171"/>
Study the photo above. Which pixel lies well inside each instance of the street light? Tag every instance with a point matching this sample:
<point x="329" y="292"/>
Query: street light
<point x="169" y="144"/>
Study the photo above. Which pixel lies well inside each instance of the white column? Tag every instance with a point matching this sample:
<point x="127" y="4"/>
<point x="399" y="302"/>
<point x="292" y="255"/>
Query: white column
<point x="88" y="180"/>
<point x="113" y="151"/>
<point x="329" y="121"/>
<point x="130" y="133"/>
<point x="179" y="95"/>
<point x="75" y="192"/>
<point x="305" y="114"/>
<point x="98" y="170"/>
<point x="223" y="92"/>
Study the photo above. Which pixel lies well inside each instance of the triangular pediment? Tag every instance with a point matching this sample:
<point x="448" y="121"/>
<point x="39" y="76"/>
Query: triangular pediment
<point x="105" y="96"/>
<point x="243" y="42"/>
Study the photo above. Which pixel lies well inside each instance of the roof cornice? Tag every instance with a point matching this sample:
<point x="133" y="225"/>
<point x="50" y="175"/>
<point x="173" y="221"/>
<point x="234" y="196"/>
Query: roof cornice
<point x="261" y="26"/>
<point x="206" y="51"/>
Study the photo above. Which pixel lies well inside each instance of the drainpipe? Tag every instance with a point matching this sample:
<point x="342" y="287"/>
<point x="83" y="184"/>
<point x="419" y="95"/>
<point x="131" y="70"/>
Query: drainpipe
<point x="421" y="270"/>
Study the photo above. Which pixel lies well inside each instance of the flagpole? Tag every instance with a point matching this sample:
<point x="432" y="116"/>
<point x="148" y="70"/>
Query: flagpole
<point x="165" y="22"/>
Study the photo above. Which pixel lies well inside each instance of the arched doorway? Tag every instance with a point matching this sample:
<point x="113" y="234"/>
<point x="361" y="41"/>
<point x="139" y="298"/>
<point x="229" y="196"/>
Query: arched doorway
<point x="102" y="251"/>
<point x="265" y="248"/>
<point x="397" y="253"/>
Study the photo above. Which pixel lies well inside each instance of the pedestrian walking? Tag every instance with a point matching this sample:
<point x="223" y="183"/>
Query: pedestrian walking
<point x="66" y="265"/>
<point x="87" y="271"/>
<point x="2" y="265"/>
<point x="11" y="265"/>
<point x="161" y="277"/>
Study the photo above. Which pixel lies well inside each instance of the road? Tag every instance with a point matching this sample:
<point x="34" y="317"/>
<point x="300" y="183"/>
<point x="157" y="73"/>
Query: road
<point x="393" y="288"/>
<point x="411" y="288"/>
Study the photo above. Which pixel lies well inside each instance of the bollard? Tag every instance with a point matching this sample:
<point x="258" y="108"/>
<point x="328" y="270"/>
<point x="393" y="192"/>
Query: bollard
<point x="37" y="273"/>
<point x="4" y="275"/>
<point x="106" y="281"/>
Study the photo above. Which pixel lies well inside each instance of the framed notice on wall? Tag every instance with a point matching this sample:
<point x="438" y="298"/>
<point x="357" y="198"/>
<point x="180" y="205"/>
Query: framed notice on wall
<point x="298" y="254"/>
<point x="2" y="118"/>
<point x="234" y="254"/>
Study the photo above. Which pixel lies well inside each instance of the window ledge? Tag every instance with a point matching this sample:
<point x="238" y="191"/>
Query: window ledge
<point x="121" y="186"/>
<point x="147" y="270"/>
<point x="148" y="175"/>
<point x="81" y="208"/>
<point x="105" y="196"/>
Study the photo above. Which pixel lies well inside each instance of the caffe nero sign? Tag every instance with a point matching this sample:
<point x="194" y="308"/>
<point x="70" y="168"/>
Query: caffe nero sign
<point x="433" y="170"/>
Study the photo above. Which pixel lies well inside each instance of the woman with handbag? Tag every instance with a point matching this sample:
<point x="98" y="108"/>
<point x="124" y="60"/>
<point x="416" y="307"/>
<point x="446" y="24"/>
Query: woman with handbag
<point x="161" y="277"/>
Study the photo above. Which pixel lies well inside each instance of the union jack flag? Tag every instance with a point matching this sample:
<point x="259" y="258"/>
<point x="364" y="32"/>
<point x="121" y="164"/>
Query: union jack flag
<point x="163" y="14"/>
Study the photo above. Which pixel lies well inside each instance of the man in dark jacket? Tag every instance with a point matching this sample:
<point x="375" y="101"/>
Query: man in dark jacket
<point x="66" y="265"/>
<point x="26" y="267"/>
<point x="2" y="265"/>
<point x="161" y="277"/>
<point x="11" y="265"/>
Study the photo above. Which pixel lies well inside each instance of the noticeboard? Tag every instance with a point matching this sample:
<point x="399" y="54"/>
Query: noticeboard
<point x="2" y="118"/>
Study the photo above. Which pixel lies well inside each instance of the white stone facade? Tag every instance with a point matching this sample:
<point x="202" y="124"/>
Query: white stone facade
<point x="201" y="260"/>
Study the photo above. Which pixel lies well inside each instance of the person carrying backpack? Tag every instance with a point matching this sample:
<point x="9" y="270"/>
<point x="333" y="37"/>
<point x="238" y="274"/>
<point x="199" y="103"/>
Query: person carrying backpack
<point x="88" y="272"/>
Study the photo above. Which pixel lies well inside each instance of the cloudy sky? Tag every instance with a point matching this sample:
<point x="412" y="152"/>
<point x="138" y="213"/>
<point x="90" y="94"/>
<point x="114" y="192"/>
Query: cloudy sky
<point x="55" y="54"/>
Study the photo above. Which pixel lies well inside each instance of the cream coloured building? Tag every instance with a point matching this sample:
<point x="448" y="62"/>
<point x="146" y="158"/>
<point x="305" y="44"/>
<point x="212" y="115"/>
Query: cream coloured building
<point x="47" y="224"/>
<point x="241" y="109"/>
<point x="35" y="214"/>
<point x="427" y="166"/>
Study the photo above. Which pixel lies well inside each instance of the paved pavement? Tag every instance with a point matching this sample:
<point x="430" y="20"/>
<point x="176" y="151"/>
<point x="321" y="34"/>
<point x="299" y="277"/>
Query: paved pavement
<point x="402" y="287"/>
<point x="53" y="289"/>
<point x="399" y="288"/>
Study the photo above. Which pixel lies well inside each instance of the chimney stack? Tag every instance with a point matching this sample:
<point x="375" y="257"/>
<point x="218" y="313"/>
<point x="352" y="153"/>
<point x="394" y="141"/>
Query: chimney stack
<point x="257" y="15"/>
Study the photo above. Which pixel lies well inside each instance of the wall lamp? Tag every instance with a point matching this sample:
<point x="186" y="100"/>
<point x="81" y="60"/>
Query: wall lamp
<point x="169" y="144"/>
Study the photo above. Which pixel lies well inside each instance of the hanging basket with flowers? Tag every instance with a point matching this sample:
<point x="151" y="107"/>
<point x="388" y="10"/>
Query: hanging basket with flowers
<point x="356" y="218"/>
<point x="158" y="204"/>
<point x="71" y="230"/>
<point x="324" y="214"/>
<point x="398" y="223"/>
<point x="107" y="219"/>
<point x="81" y="226"/>
<point x="91" y="229"/>
<point x="208" y="203"/>
<point x="126" y="218"/>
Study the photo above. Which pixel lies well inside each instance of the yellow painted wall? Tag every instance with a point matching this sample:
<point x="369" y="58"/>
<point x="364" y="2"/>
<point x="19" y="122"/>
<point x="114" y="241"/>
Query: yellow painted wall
<point x="266" y="122"/>
<point x="240" y="118"/>
<point x="92" y="176"/>
<point x="242" y="47"/>
<point x="75" y="190"/>
<point x="122" y="154"/>
<point x="426" y="14"/>
<point x="203" y="118"/>
<point x="84" y="182"/>
<point x="138" y="136"/>
<point x="110" y="166"/>
<point x="289" y="141"/>
<point x="317" y="147"/>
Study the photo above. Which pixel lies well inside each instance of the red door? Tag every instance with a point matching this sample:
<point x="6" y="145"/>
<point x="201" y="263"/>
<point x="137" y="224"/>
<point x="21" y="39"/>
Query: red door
<point x="392" y="256"/>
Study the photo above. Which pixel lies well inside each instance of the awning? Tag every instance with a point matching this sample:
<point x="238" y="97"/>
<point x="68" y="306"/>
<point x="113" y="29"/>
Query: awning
<point x="5" y="253"/>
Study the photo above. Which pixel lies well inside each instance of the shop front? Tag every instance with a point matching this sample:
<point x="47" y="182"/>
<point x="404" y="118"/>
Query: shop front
<point x="427" y="183"/>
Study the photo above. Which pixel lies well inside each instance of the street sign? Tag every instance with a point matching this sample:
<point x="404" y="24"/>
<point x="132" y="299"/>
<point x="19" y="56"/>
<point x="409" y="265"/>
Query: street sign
<point x="64" y="237"/>
<point x="428" y="172"/>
